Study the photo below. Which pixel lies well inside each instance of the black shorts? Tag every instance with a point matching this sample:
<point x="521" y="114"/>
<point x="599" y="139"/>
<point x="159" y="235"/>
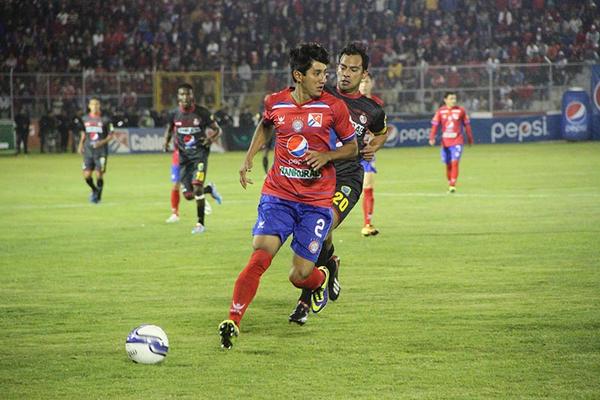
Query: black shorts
<point x="96" y="162"/>
<point x="193" y="172"/>
<point x="348" y="188"/>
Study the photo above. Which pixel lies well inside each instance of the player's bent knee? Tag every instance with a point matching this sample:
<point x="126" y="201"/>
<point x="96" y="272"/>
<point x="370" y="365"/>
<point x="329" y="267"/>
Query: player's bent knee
<point x="298" y="275"/>
<point x="188" y="195"/>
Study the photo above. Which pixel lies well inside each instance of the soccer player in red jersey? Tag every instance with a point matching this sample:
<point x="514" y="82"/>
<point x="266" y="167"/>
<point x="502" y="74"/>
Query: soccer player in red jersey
<point x="452" y="119"/>
<point x="368" y="203"/>
<point x="296" y="195"/>
<point x="174" y="217"/>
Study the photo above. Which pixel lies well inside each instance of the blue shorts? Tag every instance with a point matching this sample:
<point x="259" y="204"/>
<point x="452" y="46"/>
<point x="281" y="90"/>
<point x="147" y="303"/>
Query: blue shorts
<point x="308" y="224"/>
<point x="369" y="166"/>
<point x="175" y="173"/>
<point x="451" y="153"/>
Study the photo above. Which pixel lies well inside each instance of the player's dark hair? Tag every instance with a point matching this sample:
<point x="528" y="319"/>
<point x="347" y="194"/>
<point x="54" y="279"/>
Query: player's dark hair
<point x="302" y="57"/>
<point x="356" y="49"/>
<point x="185" y="86"/>
<point x="448" y="94"/>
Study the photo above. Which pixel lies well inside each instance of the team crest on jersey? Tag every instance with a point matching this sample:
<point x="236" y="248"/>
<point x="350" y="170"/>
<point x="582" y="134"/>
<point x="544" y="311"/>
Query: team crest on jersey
<point x="346" y="190"/>
<point x="281" y="119"/>
<point x="315" y="120"/>
<point x="297" y="145"/>
<point x="362" y="119"/>
<point x="297" y="125"/>
<point x="313" y="247"/>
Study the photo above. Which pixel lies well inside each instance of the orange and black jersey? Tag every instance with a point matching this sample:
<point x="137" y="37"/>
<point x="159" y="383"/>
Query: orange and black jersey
<point x="366" y="115"/>
<point x="189" y="129"/>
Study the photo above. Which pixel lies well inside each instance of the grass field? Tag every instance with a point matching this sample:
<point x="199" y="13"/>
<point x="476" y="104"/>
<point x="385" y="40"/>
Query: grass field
<point x="492" y="293"/>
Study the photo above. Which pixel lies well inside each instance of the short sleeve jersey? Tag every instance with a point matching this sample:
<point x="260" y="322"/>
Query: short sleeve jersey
<point x="96" y="128"/>
<point x="299" y="128"/>
<point x="366" y="115"/>
<point x="451" y="122"/>
<point x="189" y="128"/>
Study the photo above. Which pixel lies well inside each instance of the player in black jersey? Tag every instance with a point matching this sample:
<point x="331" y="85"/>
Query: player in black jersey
<point x="195" y="129"/>
<point x="96" y="132"/>
<point x="368" y="118"/>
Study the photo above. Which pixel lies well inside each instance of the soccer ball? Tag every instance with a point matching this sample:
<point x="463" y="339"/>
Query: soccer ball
<point x="147" y="344"/>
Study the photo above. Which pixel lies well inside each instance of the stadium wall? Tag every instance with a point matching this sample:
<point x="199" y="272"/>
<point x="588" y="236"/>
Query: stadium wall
<point x="486" y="129"/>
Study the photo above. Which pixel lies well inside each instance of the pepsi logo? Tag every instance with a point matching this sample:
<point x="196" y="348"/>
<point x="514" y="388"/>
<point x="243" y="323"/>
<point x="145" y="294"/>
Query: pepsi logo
<point x="575" y="112"/>
<point x="94" y="136"/>
<point x="297" y="145"/>
<point x="187" y="138"/>
<point x="596" y="96"/>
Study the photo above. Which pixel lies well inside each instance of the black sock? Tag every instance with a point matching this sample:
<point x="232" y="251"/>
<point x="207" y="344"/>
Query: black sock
<point x="90" y="183"/>
<point x="207" y="189"/>
<point x="325" y="255"/>
<point x="305" y="296"/>
<point x="200" y="208"/>
<point x="100" y="184"/>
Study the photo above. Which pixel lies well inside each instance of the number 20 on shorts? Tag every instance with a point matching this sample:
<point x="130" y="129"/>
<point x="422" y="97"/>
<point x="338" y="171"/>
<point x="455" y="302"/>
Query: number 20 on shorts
<point x="340" y="200"/>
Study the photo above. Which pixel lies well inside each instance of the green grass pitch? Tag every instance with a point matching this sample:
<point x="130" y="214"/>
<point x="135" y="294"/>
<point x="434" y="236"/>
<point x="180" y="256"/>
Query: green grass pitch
<point x="491" y="293"/>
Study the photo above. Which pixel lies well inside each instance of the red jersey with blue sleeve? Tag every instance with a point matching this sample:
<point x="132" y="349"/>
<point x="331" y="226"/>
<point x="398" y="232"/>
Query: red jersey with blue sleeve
<point x="452" y="120"/>
<point x="299" y="128"/>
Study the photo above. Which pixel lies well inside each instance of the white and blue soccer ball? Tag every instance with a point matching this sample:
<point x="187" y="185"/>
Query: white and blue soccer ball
<point x="147" y="344"/>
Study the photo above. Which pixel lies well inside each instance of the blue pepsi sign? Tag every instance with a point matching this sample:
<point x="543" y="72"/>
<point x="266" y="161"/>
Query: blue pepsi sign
<point x="517" y="129"/>
<point x="576" y="118"/>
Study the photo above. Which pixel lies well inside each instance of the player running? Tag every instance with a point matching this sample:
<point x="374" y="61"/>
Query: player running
<point x="191" y="122"/>
<point x="296" y="195"/>
<point x="367" y="117"/>
<point x="452" y="118"/>
<point x="93" y="145"/>
<point x="368" y="203"/>
<point x="175" y="189"/>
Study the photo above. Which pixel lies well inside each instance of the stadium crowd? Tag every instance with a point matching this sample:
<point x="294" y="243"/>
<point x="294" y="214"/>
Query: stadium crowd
<point x="137" y="37"/>
<point x="176" y="35"/>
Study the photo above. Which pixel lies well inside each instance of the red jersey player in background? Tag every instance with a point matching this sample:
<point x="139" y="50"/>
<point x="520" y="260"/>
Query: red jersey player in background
<point x="368" y="203"/>
<point x="296" y="195"/>
<point x="452" y="119"/>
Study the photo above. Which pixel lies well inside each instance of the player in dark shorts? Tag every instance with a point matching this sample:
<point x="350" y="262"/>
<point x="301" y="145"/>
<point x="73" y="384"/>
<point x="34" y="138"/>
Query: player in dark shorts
<point x="196" y="130"/>
<point x="367" y="117"/>
<point x="93" y="145"/>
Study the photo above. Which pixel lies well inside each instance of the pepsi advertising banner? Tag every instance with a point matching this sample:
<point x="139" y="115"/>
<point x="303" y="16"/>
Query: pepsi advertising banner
<point x="575" y="120"/>
<point x="595" y="103"/>
<point x="531" y="128"/>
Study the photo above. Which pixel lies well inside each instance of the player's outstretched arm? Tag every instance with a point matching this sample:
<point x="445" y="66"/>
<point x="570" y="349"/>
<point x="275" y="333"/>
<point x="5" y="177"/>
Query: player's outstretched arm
<point x="261" y="133"/>
<point x="317" y="160"/>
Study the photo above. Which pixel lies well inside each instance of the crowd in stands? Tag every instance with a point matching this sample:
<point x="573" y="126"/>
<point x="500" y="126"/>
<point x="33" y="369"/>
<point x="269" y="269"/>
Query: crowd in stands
<point x="240" y="37"/>
<point x="146" y="35"/>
